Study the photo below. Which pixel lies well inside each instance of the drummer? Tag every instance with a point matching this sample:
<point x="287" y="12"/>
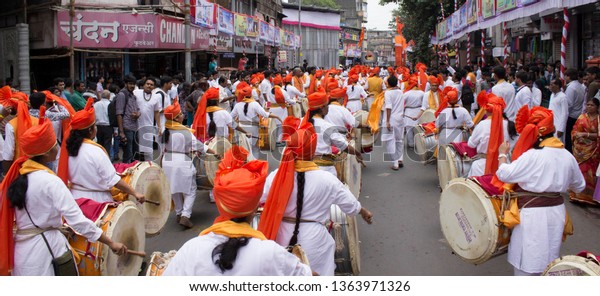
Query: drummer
<point x="38" y="199"/>
<point x="327" y="134"/>
<point x="431" y="98"/>
<point x="413" y="108"/>
<point x="299" y="197"/>
<point x="248" y="114"/>
<point x="211" y="120"/>
<point x="87" y="165"/>
<point x="292" y="92"/>
<point x="451" y="119"/>
<point x="233" y="246"/>
<point x="177" y="162"/>
<point x="541" y="167"/>
<point x="356" y="94"/>
<point x="488" y="135"/>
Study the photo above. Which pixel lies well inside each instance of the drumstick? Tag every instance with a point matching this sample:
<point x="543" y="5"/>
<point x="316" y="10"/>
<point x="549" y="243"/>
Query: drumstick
<point x="156" y="203"/>
<point x="137" y="253"/>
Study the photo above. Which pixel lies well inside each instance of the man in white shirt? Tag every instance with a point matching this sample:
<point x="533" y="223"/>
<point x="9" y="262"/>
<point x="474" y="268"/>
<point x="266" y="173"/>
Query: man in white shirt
<point x="265" y="88"/>
<point x="536" y="93"/>
<point x="559" y="107"/>
<point x="393" y="123"/>
<point x="523" y="96"/>
<point x="149" y="109"/>
<point x="104" y="133"/>
<point x="224" y="97"/>
<point x="174" y="90"/>
<point x="575" y="101"/>
<point x="505" y="90"/>
<point x="163" y="97"/>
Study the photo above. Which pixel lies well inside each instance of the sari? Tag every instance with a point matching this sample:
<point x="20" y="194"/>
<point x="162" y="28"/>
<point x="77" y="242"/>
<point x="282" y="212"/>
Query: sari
<point x="587" y="154"/>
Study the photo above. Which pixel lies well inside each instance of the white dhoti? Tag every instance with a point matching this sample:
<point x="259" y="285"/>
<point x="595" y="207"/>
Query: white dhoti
<point x="354" y="105"/>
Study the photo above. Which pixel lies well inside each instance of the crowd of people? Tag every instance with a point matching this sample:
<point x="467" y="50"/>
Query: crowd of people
<point x="518" y="119"/>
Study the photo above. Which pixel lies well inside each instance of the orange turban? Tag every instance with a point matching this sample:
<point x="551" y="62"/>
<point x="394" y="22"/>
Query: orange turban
<point x="173" y="110"/>
<point x="38" y="139"/>
<point x="238" y="187"/>
<point x="301" y="145"/>
<point x="353" y="79"/>
<point x="413" y="82"/>
<point x="319" y="74"/>
<point x="84" y="118"/>
<point x="245" y="92"/>
<point x="433" y="80"/>
<point x="287" y="78"/>
<point x="317" y="100"/>
<point x="11" y="99"/>
<point x="278" y="80"/>
<point x="495" y="105"/>
<point x="289" y="126"/>
<point x="449" y="96"/>
<point x="254" y="80"/>
<point x="332" y="85"/>
<point x="199" y="124"/>
<point x="240" y="86"/>
<point x="531" y="124"/>
<point x="374" y="71"/>
<point x="338" y="93"/>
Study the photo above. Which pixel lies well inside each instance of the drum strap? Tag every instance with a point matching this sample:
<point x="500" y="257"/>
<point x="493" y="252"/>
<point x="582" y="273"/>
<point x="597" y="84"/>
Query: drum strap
<point x="324" y="160"/>
<point x="249" y="123"/>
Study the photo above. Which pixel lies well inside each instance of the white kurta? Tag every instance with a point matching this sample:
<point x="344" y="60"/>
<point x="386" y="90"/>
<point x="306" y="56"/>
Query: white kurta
<point x="536" y="97"/>
<point x="265" y="90"/>
<point x="92" y="174"/>
<point x="341" y="118"/>
<point x="259" y="257"/>
<point x="147" y="105"/>
<point x="560" y="109"/>
<point x="394" y="139"/>
<point x="328" y="135"/>
<point x="321" y="190"/>
<point x="523" y="97"/>
<point x="425" y="101"/>
<point x="507" y="92"/>
<point x="163" y="103"/>
<point x="536" y="241"/>
<point x="449" y="127"/>
<point x="249" y="121"/>
<point x="480" y="139"/>
<point x="355" y="93"/>
<point x="48" y="200"/>
<point x="223" y="121"/>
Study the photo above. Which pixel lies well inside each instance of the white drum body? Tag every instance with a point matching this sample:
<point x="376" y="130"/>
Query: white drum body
<point x="353" y="173"/>
<point x="427" y="116"/>
<point x="347" y="248"/>
<point x="424" y="144"/>
<point x="469" y="221"/>
<point x="452" y="165"/>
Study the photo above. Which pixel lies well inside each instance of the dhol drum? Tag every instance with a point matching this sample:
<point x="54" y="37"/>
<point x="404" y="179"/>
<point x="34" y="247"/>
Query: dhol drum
<point x="267" y="136"/>
<point x="339" y="163"/>
<point x="451" y="165"/>
<point x="469" y="221"/>
<point x="347" y="248"/>
<point x="573" y="265"/>
<point x="242" y="140"/>
<point x="149" y="179"/>
<point x="207" y="165"/>
<point x="353" y="173"/>
<point x="122" y="224"/>
<point x="427" y="116"/>
<point x="363" y="137"/>
<point x="159" y="262"/>
<point x="425" y="144"/>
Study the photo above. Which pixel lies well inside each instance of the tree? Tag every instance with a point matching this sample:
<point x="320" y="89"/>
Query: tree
<point x="420" y="18"/>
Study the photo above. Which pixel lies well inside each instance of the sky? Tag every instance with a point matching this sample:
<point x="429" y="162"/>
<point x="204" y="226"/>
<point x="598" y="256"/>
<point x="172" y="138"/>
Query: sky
<point x="378" y="16"/>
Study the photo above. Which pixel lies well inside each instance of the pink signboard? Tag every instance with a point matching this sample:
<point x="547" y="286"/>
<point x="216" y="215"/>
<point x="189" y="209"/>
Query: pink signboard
<point x="124" y="30"/>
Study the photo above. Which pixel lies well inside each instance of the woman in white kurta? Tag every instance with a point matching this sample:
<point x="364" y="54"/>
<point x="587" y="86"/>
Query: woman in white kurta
<point x="356" y="93"/>
<point x="319" y="191"/>
<point x="41" y="200"/>
<point x="452" y="120"/>
<point x="248" y="113"/>
<point x="544" y="167"/>
<point x="230" y="246"/>
<point x="90" y="171"/>
<point x="180" y="144"/>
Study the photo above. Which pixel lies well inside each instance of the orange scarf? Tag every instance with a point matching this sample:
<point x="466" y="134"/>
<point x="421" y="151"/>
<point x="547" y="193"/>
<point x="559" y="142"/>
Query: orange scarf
<point x="233" y="230"/>
<point x="312" y="87"/>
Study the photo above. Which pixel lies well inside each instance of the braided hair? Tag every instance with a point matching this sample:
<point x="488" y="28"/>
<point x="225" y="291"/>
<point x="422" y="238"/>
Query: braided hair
<point x="224" y="255"/>
<point x="212" y="126"/>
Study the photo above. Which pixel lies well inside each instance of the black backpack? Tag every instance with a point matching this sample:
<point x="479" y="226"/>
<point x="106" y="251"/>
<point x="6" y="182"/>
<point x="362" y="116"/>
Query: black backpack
<point x="467" y="96"/>
<point x="112" y="111"/>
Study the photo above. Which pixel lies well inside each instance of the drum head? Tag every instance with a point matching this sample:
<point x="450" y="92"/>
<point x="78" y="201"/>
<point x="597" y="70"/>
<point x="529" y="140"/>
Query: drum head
<point x="159" y="262"/>
<point x="353" y="173"/>
<point x="125" y="227"/>
<point x="572" y="265"/>
<point x="347" y="248"/>
<point x="149" y="179"/>
<point x="211" y="164"/>
<point x="362" y="117"/>
<point x="427" y="116"/>
<point x="243" y="141"/>
<point x="468" y="221"/>
<point x="272" y="134"/>
<point x="420" y="147"/>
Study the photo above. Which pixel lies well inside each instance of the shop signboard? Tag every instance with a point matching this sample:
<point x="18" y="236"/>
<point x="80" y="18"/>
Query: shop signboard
<point x="221" y="43"/>
<point x="282" y="56"/>
<point x="241" y="24"/>
<point x="247" y="45"/>
<point x="471" y="11"/>
<point x="225" y="21"/>
<point x="171" y="33"/>
<point x="550" y="24"/>
<point x="505" y="5"/>
<point x="203" y="13"/>
<point x="252" y="27"/>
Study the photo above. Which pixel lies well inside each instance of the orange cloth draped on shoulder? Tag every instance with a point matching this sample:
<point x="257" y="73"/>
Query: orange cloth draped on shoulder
<point x="312" y="87"/>
<point x="37" y="140"/>
<point x="301" y="146"/>
<point x="495" y="105"/>
<point x="238" y="186"/>
<point x="299" y="83"/>
<point x="64" y="103"/>
<point x="199" y="123"/>
<point x="81" y="120"/>
<point x="531" y="124"/>
<point x="375" y="112"/>
<point x="279" y="96"/>
<point x="422" y="75"/>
